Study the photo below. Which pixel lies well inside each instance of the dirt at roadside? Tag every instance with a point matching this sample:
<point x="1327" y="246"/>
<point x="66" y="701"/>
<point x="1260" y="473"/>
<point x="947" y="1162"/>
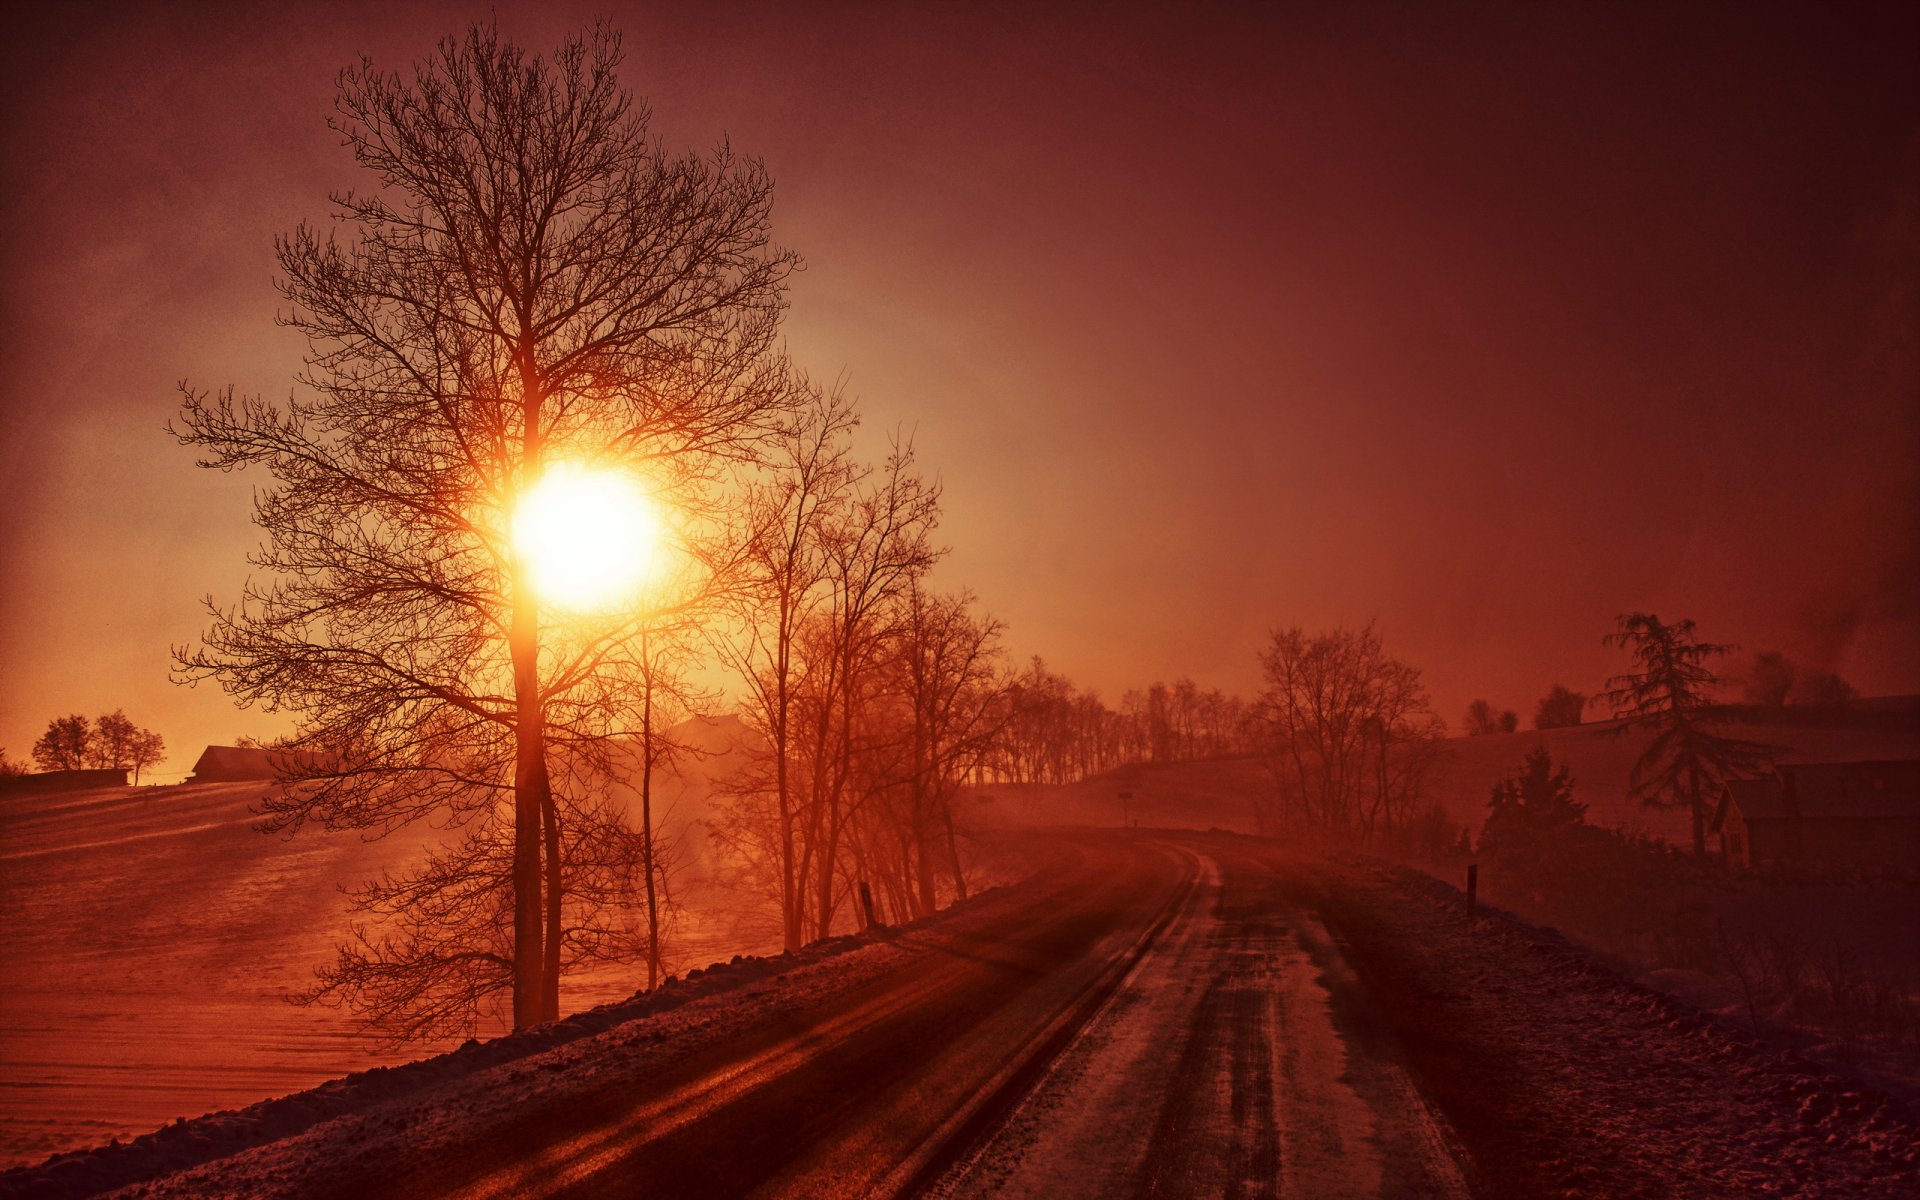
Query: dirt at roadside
<point x="1564" y="1079"/>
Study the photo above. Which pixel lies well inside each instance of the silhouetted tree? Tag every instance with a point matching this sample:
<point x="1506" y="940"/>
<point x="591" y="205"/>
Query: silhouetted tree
<point x="66" y="745"/>
<point x="1671" y="695"/>
<point x="121" y="745"/>
<point x="789" y="510"/>
<point x="530" y="279"/>
<point x="1532" y="802"/>
<point x="1349" y="732"/>
<point x="1508" y="722"/>
<point x="9" y="768"/>
<point x="1559" y="708"/>
<point x="946" y="666"/>
<point x="1482" y="719"/>
<point x="147" y="750"/>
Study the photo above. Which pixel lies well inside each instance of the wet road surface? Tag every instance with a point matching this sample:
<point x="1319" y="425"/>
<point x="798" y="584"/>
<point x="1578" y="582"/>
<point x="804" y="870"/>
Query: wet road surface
<point x="1158" y="1020"/>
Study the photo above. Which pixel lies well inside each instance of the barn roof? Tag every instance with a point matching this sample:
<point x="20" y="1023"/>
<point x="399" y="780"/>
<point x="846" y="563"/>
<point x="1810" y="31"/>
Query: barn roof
<point x="1827" y="791"/>
<point x="234" y="762"/>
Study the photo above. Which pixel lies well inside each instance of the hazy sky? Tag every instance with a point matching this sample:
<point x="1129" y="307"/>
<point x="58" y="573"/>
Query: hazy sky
<point x="1486" y="322"/>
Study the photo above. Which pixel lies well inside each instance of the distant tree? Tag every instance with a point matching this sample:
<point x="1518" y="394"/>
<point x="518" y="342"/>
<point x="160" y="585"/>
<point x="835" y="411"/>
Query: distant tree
<point x="147" y="751"/>
<point x="66" y="744"/>
<point x="119" y="744"/>
<point x="113" y="735"/>
<point x="1481" y="719"/>
<point x="1823" y="689"/>
<point x="1349" y="737"/>
<point x="9" y="768"/>
<point x="1770" y="680"/>
<point x="1560" y="708"/>
<point x="1509" y="721"/>
<point x="1672" y="696"/>
<point x="1532" y="802"/>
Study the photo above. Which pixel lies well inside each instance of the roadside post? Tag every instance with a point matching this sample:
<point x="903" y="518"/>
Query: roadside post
<point x="1126" y="810"/>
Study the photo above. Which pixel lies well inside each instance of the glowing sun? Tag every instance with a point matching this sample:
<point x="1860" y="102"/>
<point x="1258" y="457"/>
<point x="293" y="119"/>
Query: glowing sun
<point x="586" y="536"/>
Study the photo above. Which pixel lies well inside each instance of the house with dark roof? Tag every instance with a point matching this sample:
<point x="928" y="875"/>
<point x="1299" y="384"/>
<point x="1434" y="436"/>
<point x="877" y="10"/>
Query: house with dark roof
<point x="227" y="764"/>
<point x="1849" y="814"/>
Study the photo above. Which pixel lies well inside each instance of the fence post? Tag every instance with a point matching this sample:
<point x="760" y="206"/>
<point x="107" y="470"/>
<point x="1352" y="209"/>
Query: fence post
<point x="1473" y="884"/>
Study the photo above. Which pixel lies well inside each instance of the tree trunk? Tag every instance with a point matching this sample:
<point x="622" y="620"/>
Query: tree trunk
<point x="646" y="818"/>
<point x="532" y="787"/>
<point x="923" y="856"/>
<point x="953" y="855"/>
<point x="556" y="895"/>
<point x="531" y="795"/>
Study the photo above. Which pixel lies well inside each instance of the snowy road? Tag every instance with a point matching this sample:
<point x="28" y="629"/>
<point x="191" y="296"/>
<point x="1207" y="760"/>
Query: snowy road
<point x="1220" y="1069"/>
<point x="1157" y="1022"/>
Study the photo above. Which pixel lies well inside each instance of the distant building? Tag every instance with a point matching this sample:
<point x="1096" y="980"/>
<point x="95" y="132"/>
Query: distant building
<point x="1848" y="814"/>
<point x="66" y="781"/>
<point x="229" y="764"/>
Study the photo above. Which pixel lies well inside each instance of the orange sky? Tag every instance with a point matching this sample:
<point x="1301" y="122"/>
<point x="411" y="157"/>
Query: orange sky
<point x="1486" y="322"/>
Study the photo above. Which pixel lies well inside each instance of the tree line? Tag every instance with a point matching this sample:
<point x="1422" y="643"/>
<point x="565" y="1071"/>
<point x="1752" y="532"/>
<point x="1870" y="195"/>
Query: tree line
<point x="110" y="741"/>
<point x="1350" y="742"/>
<point x="1773" y="681"/>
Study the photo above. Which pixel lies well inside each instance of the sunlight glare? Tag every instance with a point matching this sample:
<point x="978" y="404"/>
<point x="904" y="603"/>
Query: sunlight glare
<point x="587" y="535"/>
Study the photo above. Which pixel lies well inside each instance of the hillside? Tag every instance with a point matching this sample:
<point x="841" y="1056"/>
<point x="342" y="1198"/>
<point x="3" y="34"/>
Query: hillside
<point x="153" y="932"/>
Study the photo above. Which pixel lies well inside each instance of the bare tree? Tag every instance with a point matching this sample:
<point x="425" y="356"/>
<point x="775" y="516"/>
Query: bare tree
<point x="148" y="750"/>
<point x="1350" y="734"/>
<point x="66" y="745"/>
<point x="836" y="542"/>
<point x="531" y="280"/>
<point x="1672" y="695"/>
<point x="947" y="662"/>
<point x="788" y="508"/>
<point x="119" y="744"/>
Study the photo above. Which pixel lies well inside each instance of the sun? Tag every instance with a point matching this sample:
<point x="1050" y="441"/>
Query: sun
<point x="586" y="536"/>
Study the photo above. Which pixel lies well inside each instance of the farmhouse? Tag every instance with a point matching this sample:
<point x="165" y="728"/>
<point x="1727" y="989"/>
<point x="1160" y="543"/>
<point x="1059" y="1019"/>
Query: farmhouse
<point x="1835" y="814"/>
<point x="226" y="764"/>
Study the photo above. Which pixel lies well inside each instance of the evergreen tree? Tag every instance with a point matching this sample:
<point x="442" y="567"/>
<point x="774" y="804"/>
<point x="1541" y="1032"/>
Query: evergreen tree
<point x="1535" y="800"/>
<point x="1671" y="695"/>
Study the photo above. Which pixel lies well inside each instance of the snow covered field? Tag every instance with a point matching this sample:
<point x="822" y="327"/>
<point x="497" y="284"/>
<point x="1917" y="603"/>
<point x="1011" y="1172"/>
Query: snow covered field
<point x="154" y="937"/>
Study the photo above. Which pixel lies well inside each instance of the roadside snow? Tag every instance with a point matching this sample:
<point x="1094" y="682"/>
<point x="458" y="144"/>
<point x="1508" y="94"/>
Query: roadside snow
<point x="1566" y="1079"/>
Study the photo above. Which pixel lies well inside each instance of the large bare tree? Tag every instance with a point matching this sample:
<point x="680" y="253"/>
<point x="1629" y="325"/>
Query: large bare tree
<point x="525" y="278"/>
